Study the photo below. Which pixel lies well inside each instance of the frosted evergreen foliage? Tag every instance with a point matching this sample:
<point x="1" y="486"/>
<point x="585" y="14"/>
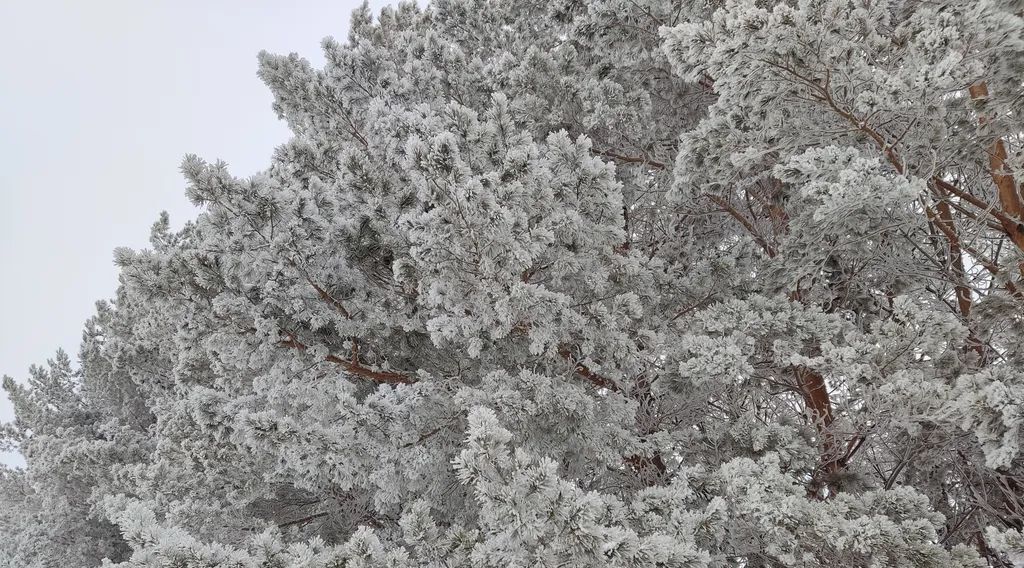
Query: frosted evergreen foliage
<point x="565" y="284"/>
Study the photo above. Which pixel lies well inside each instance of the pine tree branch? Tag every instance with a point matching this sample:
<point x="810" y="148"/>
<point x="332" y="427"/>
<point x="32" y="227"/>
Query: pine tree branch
<point x="747" y="223"/>
<point x="585" y="372"/>
<point x="1011" y="216"/>
<point x="303" y="520"/>
<point x="1009" y="194"/>
<point x="631" y="159"/>
<point x="324" y="294"/>
<point x="353" y="367"/>
<point x="944" y="221"/>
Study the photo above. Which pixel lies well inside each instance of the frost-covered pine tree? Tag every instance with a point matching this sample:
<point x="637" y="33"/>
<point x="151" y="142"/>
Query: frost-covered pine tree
<point x="564" y="284"/>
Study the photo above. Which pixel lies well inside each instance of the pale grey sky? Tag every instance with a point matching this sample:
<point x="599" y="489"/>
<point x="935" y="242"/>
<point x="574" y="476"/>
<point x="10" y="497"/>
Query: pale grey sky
<point x="99" y="101"/>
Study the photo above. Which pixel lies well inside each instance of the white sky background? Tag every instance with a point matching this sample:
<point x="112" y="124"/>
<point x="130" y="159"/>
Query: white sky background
<point x="99" y="101"/>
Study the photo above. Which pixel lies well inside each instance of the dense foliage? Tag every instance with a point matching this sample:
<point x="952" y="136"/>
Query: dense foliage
<point x="565" y="283"/>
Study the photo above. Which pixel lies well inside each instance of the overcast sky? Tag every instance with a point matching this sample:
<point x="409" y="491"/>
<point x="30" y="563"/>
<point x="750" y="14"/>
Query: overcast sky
<point x="99" y="101"/>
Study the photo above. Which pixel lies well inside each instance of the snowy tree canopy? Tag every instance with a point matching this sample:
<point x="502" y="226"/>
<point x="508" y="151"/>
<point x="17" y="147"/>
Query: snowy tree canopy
<point x="563" y="284"/>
